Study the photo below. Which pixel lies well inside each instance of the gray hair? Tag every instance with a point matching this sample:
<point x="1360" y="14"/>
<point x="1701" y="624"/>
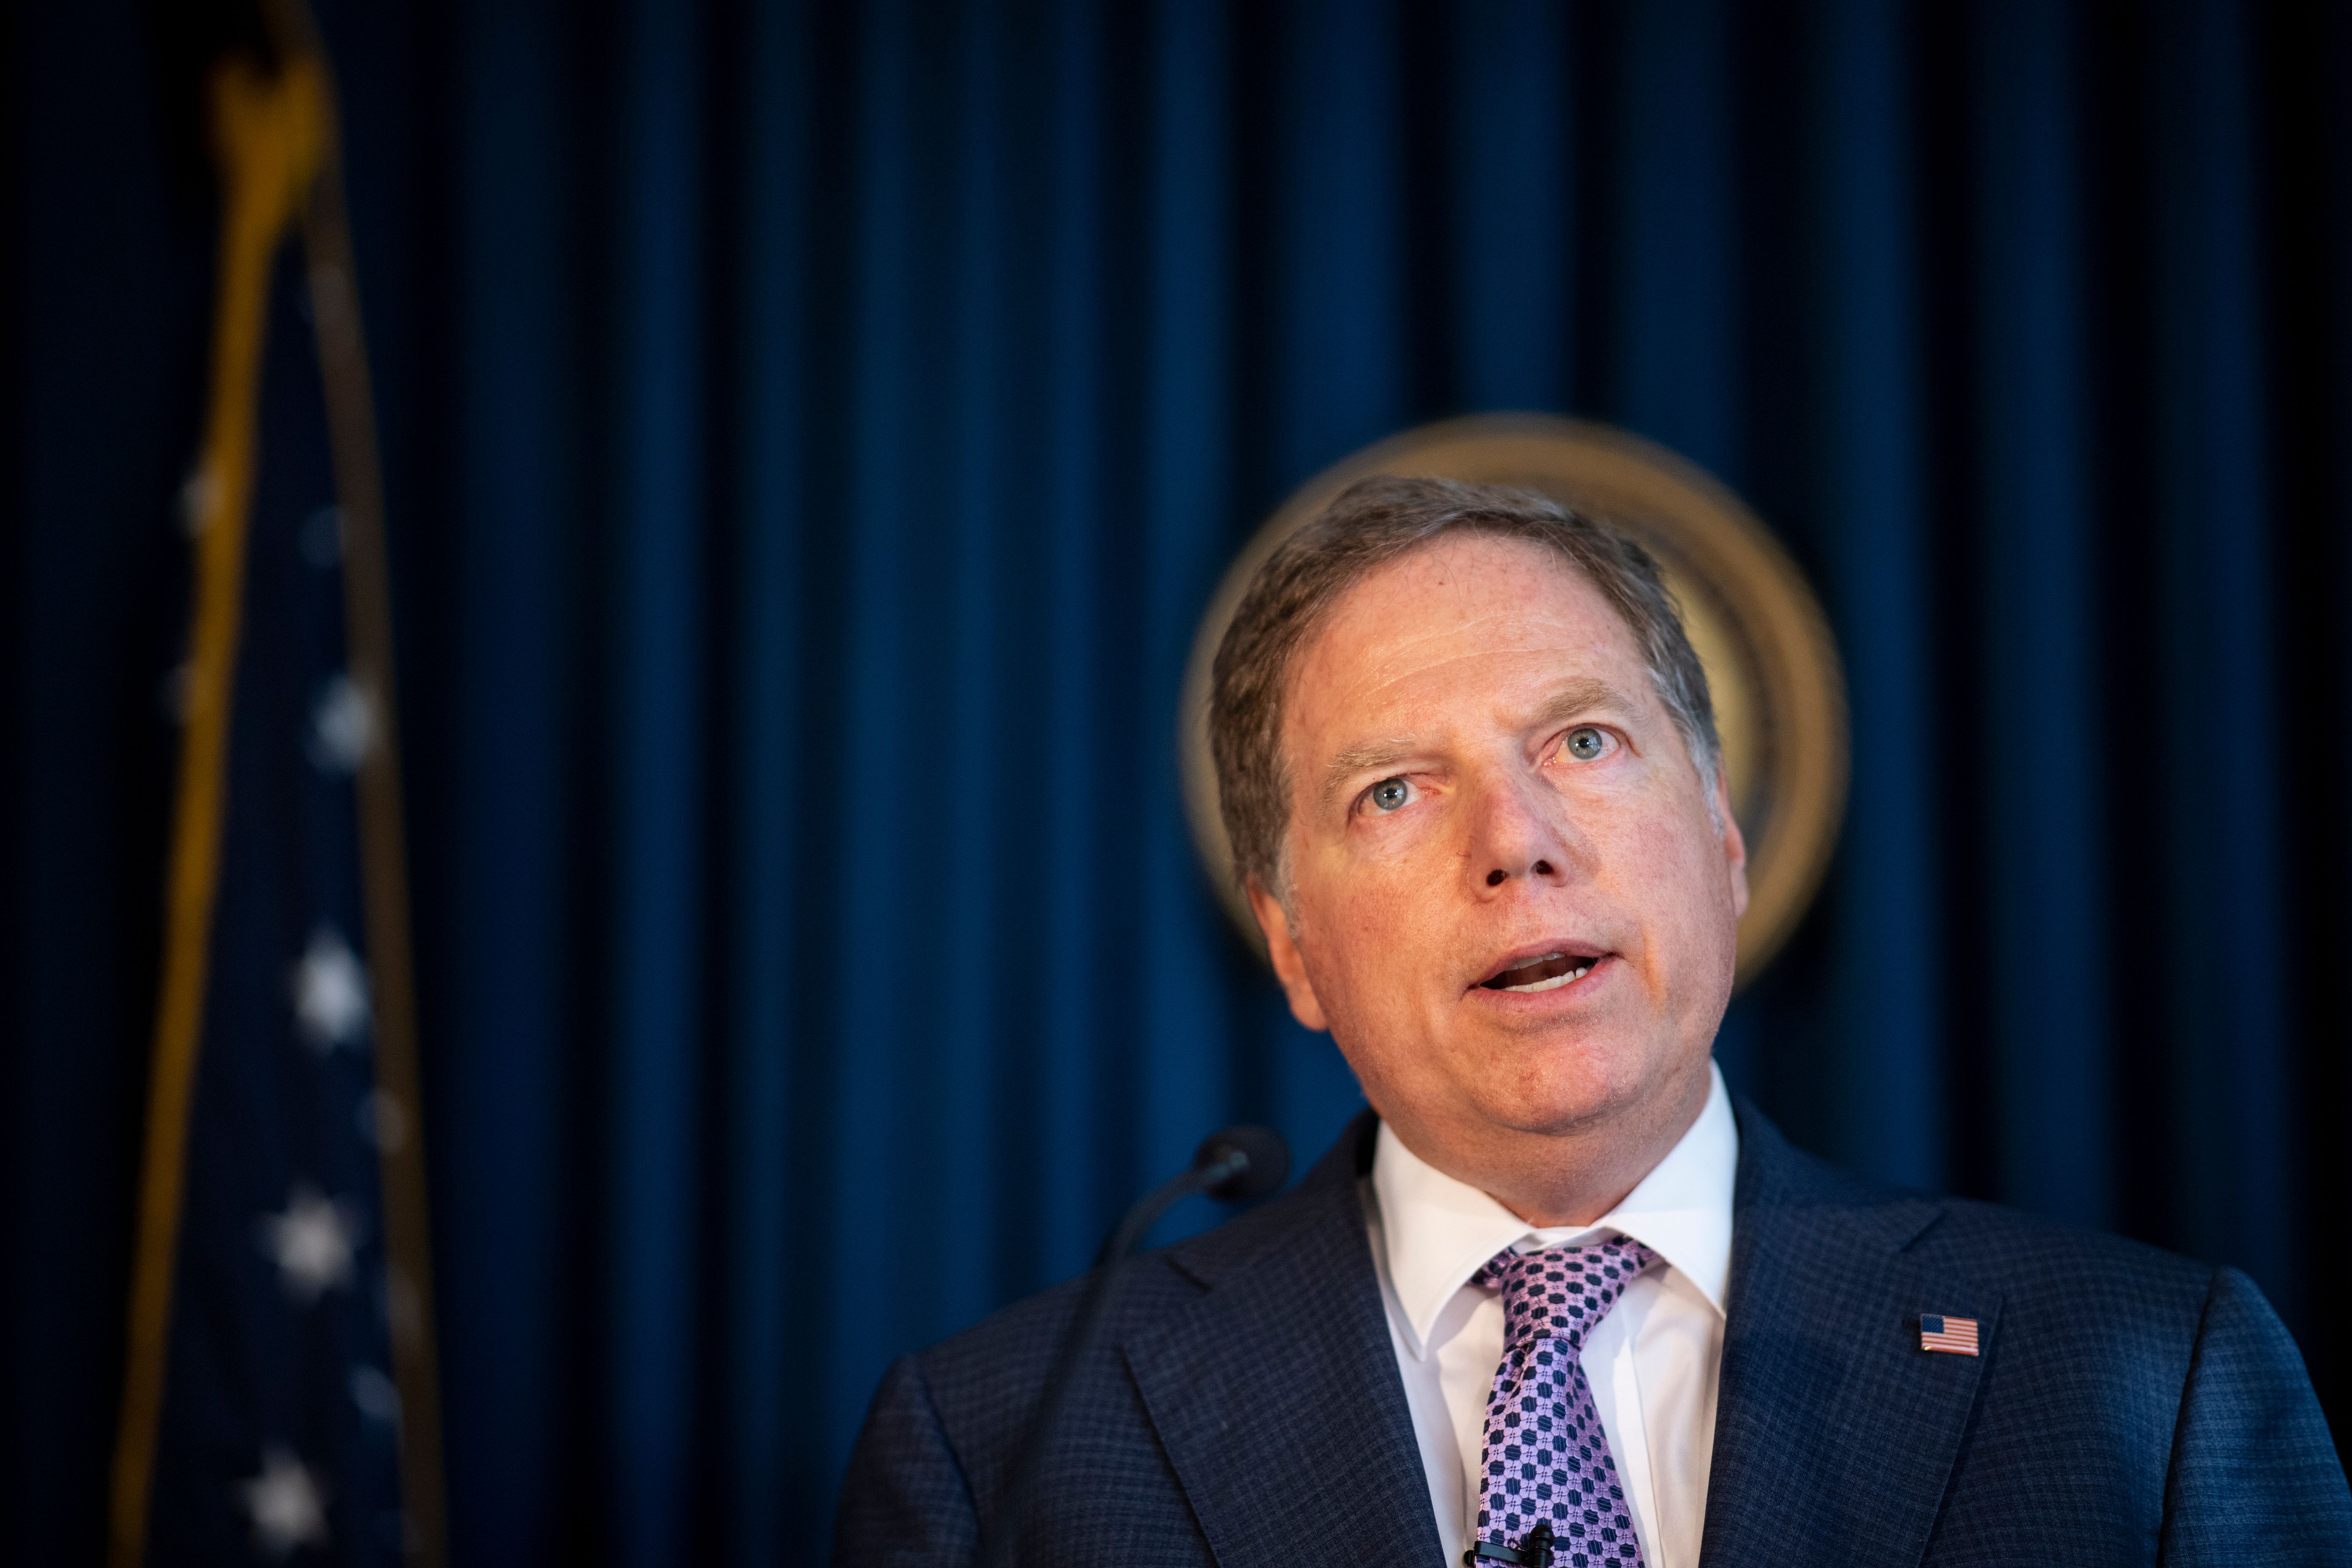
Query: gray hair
<point x="1371" y="523"/>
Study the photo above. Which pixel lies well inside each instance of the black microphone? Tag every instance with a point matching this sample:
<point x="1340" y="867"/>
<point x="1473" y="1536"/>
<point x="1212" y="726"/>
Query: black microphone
<point x="1237" y="1164"/>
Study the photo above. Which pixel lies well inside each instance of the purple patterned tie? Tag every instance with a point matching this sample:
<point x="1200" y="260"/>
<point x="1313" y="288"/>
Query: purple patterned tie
<point x="1545" y="1469"/>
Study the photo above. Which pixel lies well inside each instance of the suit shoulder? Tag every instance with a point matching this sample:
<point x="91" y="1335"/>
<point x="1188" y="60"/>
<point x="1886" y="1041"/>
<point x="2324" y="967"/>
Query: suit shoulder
<point x="2030" y="1258"/>
<point x="2029" y="1253"/>
<point x="1016" y="1345"/>
<point x="984" y="1382"/>
<point x="1014" y="1342"/>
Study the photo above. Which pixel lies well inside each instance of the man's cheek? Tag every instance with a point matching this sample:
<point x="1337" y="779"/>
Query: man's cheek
<point x="1392" y="847"/>
<point x="1379" y="907"/>
<point x="1655" y="860"/>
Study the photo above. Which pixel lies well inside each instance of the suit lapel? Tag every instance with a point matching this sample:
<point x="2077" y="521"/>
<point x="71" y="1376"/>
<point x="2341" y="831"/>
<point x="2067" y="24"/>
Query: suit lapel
<point x="1276" y="1396"/>
<point x="1834" y="1433"/>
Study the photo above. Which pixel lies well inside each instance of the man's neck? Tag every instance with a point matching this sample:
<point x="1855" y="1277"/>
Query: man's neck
<point x="1558" y="1181"/>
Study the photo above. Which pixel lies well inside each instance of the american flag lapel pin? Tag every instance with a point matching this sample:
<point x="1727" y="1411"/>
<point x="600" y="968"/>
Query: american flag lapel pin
<point x="1953" y="1336"/>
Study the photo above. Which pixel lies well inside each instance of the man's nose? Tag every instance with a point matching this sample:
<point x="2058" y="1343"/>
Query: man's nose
<point x="1519" y="831"/>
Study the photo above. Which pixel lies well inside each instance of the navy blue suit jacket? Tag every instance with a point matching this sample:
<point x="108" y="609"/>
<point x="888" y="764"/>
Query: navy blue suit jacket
<point x="1244" y="1406"/>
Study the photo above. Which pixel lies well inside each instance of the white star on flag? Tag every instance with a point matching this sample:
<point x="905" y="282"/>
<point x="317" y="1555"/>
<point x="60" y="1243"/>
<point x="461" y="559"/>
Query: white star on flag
<point x="330" y="991"/>
<point x="343" y="727"/>
<point x="287" y="1506"/>
<point x="311" y="1243"/>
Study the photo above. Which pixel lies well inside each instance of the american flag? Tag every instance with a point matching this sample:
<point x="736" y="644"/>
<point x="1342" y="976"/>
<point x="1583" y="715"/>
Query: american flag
<point x="278" y="1401"/>
<point x="1955" y="1336"/>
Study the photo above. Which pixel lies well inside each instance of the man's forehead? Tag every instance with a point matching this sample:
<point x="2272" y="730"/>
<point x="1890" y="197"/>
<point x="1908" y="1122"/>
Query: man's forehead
<point x="1465" y="574"/>
<point x="1469" y="621"/>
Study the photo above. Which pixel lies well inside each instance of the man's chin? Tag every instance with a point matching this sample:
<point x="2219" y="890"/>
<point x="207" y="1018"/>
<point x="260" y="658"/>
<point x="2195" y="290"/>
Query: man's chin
<point x="1573" y="1081"/>
<point x="1566" y="1107"/>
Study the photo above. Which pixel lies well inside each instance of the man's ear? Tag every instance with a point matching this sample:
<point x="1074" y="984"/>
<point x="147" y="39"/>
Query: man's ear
<point x="1288" y="966"/>
<point x="1735" y="847"/>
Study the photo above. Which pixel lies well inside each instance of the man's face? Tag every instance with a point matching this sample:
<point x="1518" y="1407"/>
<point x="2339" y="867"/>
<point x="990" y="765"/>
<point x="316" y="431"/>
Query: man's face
<point x="1512" y="907"/>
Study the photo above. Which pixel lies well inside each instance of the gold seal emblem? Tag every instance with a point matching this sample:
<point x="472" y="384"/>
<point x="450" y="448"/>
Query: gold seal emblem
<point x="1771" y="666"/>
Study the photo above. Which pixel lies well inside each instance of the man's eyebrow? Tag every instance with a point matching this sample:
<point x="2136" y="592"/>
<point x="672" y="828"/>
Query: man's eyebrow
<point x="1580" y="696"/>
<point x="1360" y="758"/>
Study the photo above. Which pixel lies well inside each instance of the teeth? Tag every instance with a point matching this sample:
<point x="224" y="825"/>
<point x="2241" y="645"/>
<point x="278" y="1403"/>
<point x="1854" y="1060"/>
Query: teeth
<point x="1554" y="984"/>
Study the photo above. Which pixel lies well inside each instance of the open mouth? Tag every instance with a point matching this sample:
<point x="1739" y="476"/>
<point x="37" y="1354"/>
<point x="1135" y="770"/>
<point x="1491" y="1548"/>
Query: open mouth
<point x="1549" y="973"/>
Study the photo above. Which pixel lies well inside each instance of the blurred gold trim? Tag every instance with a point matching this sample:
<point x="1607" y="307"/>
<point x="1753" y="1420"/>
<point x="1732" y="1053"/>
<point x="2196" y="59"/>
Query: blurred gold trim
<point x="269" y="134"/>
<point x="1780" y="691"/>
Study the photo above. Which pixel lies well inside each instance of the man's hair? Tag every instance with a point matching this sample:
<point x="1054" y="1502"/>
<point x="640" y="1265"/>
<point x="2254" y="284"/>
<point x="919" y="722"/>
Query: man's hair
<point x="1371" y="523"/>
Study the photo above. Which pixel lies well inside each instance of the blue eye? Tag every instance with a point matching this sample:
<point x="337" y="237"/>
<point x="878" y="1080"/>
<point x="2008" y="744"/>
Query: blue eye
<point x="1390" y="794"/>
<point x="1584" y="743"/>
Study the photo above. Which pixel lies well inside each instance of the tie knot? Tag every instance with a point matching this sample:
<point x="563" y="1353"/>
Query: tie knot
<point x="1559" y="1293"/>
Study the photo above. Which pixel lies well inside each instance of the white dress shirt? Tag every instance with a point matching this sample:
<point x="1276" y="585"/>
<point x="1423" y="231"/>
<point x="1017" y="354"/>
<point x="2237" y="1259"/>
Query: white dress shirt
<point x="1651" y="1362"/>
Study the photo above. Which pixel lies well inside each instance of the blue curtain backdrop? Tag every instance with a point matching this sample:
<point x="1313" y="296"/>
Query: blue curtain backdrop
<point x="812" y="432"/>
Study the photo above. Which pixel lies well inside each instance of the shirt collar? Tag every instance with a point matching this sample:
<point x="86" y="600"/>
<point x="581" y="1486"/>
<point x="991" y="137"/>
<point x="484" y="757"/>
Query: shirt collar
<point x="1439" y="1231"/>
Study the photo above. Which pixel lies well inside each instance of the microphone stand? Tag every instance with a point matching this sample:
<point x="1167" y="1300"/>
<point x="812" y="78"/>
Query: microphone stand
<point x="1238" y="1163"/>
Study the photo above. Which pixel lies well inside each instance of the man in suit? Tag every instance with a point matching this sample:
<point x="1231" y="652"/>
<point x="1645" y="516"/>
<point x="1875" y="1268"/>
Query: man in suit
<point x="1558" y="1298"/>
